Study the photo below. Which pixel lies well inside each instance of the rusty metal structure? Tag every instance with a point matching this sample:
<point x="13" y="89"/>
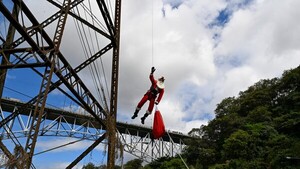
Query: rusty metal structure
<point x="44" y="51"/>
<point x="35" y="42"/>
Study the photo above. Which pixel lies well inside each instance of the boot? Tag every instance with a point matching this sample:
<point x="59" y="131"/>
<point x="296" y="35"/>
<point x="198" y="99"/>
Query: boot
<point x="144" y="117"/>
<point x="135" y="113"/>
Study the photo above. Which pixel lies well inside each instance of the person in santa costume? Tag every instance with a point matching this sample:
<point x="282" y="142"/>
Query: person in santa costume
<point x="157" y="88"/>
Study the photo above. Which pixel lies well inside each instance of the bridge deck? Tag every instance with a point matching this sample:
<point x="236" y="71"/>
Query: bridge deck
<point x="8" y="105"/>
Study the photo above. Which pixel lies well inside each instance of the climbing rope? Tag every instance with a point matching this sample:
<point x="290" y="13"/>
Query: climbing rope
<point x="178" y="154"/>
<point x="152" y="24"/>
<point x="88" y="46"/>
<point x="152" y="45"/>
<point x="54" y="148"/>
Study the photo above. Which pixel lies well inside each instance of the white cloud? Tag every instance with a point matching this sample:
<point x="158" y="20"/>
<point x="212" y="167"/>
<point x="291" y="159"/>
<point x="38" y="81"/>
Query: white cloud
<point x="257" y="42"/>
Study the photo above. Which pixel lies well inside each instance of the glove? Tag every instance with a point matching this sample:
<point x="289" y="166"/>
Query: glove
<point x="153" y="70"/>
<point x="156" y="102"/>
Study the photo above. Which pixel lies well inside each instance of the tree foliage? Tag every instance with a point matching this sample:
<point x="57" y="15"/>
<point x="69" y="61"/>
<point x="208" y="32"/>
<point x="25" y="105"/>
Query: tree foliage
<point x="134" y="164"/>
<point x="257" y="129"/>
<point x="93" y="166"/>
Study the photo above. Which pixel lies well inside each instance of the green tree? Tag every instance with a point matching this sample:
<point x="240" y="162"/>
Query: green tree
<point x="156" y="164"/>
<point x="92" y="166"/>
<point x="174" y="163"/>
<point x="257" y="129"/>
<point x="134" y="164"/>
<point x="89" y="166"/>
<point x="236" y="146"/>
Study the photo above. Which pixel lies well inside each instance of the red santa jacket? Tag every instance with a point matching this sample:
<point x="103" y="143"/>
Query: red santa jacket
<point x="154" y="90"/>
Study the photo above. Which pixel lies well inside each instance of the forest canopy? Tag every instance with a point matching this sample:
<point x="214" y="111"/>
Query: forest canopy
<point x="258" y="129"/>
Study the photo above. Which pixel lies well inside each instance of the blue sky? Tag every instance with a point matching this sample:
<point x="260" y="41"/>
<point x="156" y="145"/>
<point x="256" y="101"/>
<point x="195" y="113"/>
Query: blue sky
<point x="207" y="51"/>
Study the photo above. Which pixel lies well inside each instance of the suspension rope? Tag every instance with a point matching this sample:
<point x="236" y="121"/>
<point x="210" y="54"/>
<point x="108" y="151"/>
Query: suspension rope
<point x="97" y="68"/>
<point x="152" y="33"/>
<point x="101" y="61"/>
<point x="88" y="47"/>
<point x="84" y="45"/>
<point x="178" y="153"/>
<point x="102" y="66"/>
<point x="100" y="24"/>
<point x="110" y="8"/>
<point x="54" y="148"/>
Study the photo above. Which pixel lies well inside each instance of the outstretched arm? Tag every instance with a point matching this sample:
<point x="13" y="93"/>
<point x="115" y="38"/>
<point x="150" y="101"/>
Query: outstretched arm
<point x="151" y="75"/>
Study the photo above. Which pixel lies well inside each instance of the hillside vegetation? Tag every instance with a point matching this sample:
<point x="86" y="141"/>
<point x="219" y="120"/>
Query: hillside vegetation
<point x="259" y="129"/>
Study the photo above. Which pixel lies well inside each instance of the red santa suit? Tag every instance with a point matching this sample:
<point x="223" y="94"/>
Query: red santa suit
<point x="157" y="88"/>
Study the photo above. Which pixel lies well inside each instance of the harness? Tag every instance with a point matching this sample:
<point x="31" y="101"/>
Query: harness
<point x="153" y="91"/>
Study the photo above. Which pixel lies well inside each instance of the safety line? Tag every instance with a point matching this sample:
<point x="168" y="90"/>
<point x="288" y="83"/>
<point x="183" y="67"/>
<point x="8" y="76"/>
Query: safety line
<point x="178" y="153"/>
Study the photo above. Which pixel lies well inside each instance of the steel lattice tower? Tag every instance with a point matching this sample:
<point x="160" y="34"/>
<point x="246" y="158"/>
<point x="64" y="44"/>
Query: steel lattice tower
<point x="25" y="28"/>
<point x="37" y="43"/>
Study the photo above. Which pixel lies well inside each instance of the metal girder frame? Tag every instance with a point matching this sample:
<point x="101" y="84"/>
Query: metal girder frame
<point x="55" y="123"/>
<point x="6" y="44"/>
<point x="112" y="118"/>
<point x="72" y="81"/>
<point x="113" y="30"/>
<point x="26" y="59"/>
<point x="88" y="150"/>
<point x="45" y="86"/>
<point x="10" y="157"/>
<point x="70" y="77"/>
<point x="148" y="149"/>
<point x="67" y="76"/>
<point x="83" y="126"/>
<point x="75" y="80"/>
<point x="37" y="28"/>
<point x="84" y="21"/>
<point x="12" y="106"/>
<point x="38" y="114"/>
<point x="44" y="89"/>
<point x="59" y="82"/>
<point x="83" y="95"/>
<point x="69" y="71"/>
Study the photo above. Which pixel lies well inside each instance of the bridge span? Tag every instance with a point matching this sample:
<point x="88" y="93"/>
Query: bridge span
<point x="133" y="139"/>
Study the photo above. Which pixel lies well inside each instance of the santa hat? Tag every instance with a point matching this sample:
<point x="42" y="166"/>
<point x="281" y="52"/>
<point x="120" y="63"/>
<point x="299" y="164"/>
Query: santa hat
<point x="160" y="83"/>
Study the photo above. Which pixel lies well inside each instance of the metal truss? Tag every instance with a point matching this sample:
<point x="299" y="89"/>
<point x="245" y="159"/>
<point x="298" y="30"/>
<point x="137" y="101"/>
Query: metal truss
<point x="32" y="47"/>
<point x="135" y="139"/>
<point x="148" y="149"/>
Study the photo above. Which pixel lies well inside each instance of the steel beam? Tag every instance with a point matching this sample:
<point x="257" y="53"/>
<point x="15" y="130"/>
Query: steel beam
<point x="112" y="118"/>
<point x="88" y="150"/>
<point x="83" y="21"/>
<point x="6" y="45"/>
